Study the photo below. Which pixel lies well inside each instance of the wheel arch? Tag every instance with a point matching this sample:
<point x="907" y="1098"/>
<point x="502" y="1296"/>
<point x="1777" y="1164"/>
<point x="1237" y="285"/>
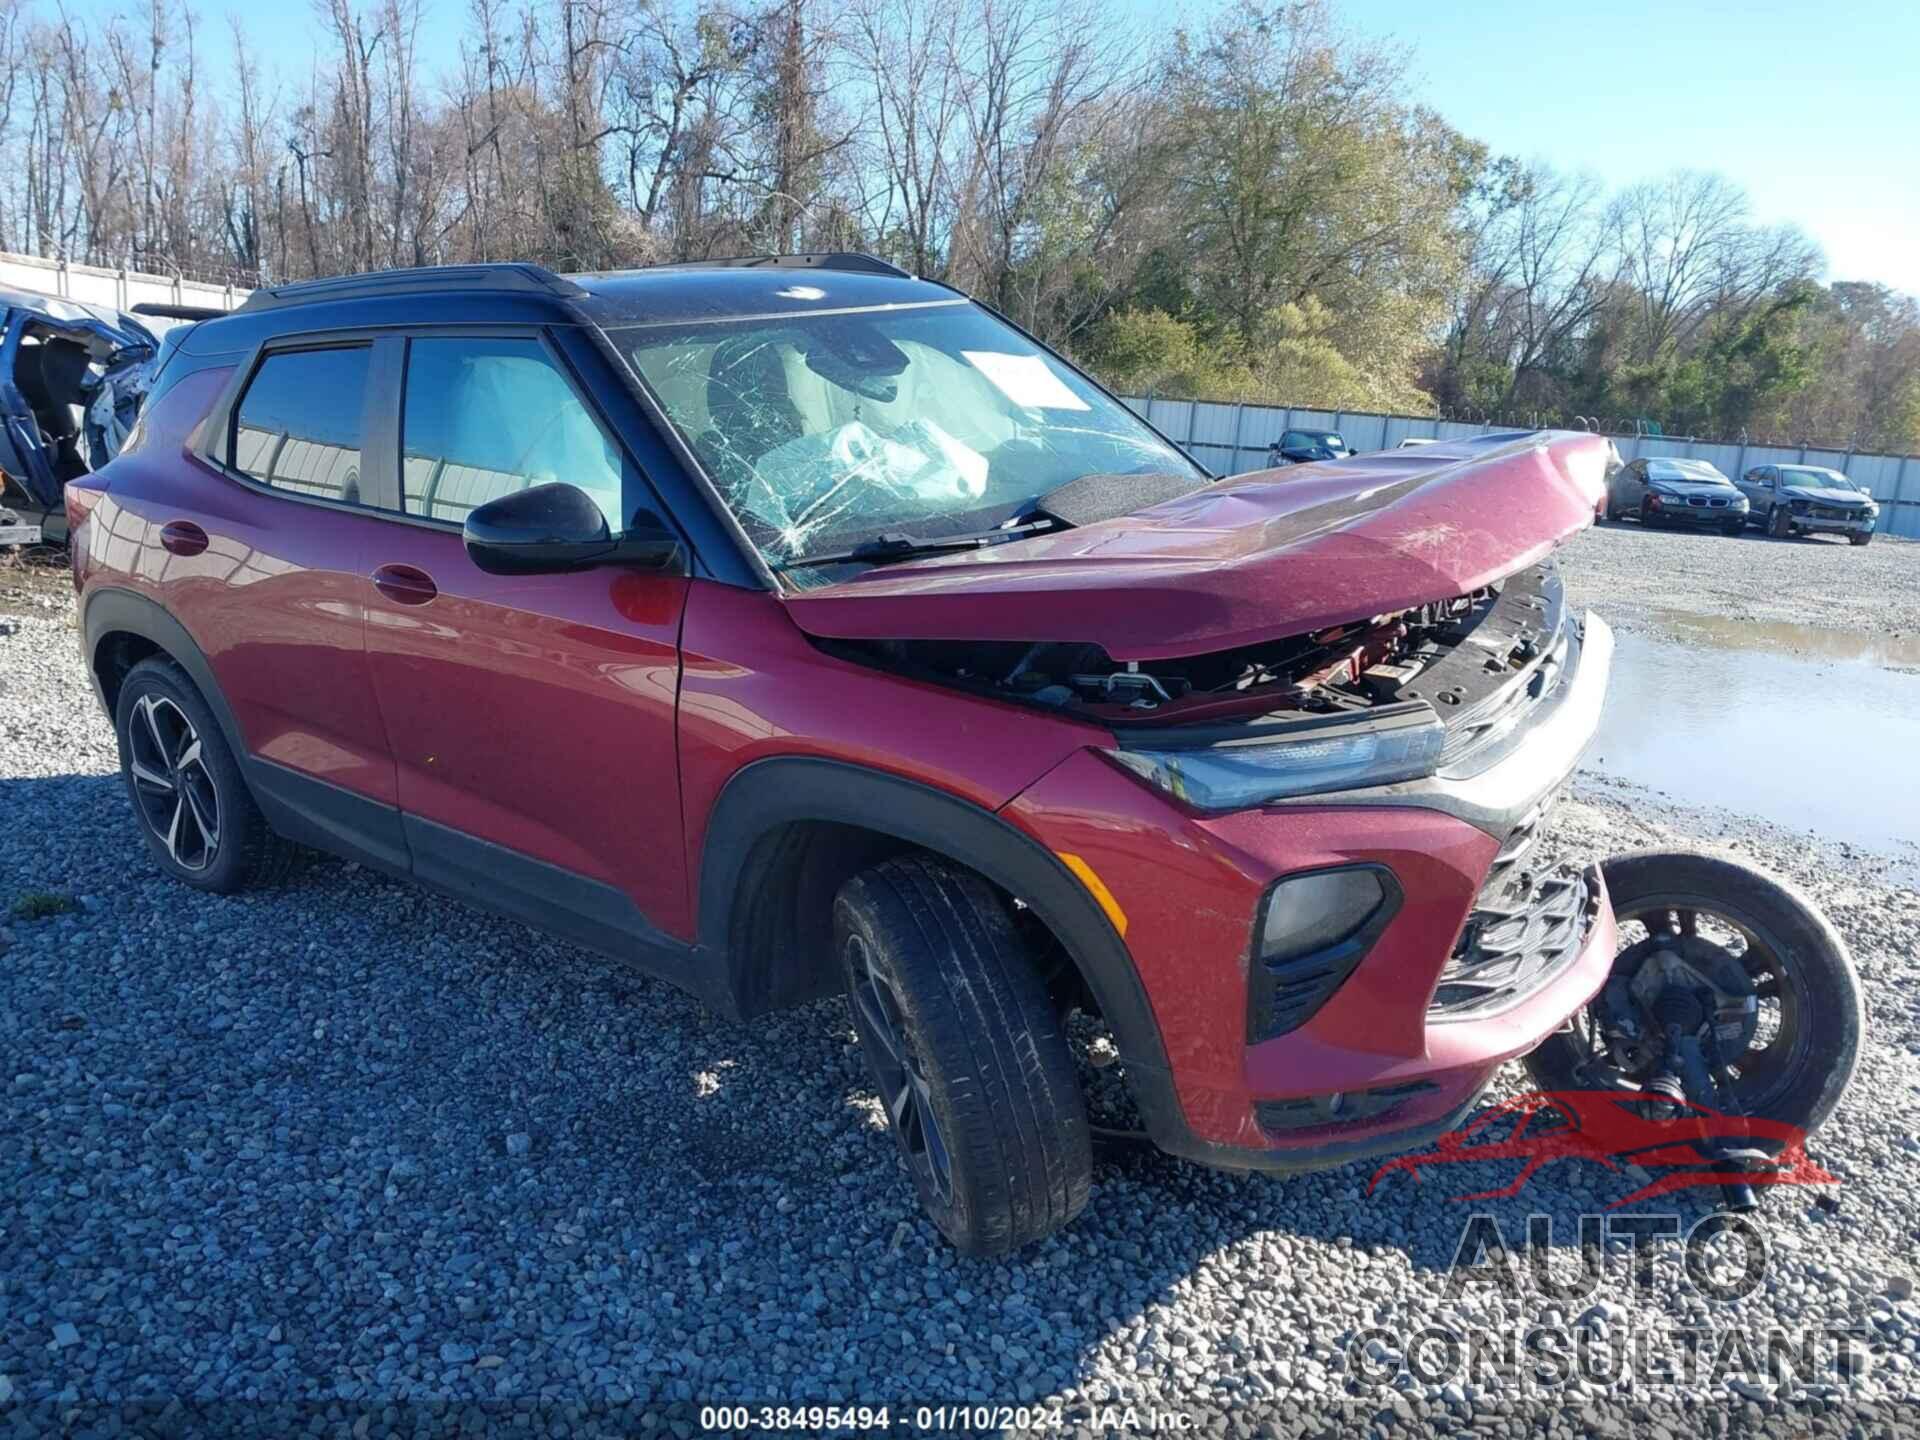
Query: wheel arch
<point x="786" y="832"/>
<point x="120" y="628"/>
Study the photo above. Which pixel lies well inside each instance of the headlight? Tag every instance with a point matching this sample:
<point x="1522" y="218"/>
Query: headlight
<point x="1311" y="758"/>
<point x="1739" y="502"/>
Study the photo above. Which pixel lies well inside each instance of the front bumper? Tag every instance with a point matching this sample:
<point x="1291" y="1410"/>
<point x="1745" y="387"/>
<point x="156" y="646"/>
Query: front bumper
<point x="1185" y="891"/>
<point x="1683" y="514"/>
<point x="1818" y="525"/>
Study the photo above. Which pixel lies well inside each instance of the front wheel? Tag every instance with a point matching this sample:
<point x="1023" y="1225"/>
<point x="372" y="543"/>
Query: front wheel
<point x="195" y="812"/>
<point x="1734" y="528"/>
<point x="967" y="1052"/>
<point x="1762" y="971"/>
<point x="1779" y="523"/>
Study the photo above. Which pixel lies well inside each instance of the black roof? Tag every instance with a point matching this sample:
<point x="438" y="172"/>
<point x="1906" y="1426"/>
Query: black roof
<point x="731" y="289"/>
<point x="677" y="294"/>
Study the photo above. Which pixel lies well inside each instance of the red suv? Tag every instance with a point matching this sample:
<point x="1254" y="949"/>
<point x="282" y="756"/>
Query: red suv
<point x="795" y="626"/>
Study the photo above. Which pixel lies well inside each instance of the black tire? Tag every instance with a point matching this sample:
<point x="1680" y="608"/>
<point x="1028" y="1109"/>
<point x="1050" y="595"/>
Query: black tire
<point x="1820" y="1063"/>
<point x="1733" y="528"/>
<point x="158" y="719"/>
<point x="930" y="951"/>
<point x="1779" y="523"/>
<point x="1860" y="539"/>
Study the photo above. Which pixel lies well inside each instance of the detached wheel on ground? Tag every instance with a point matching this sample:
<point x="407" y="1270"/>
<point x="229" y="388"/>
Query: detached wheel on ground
<point x="1860" y="539"/>
<point x="967" y="1052"/>
<point x="1726" y="932"/>
<point x="191" y="802"/>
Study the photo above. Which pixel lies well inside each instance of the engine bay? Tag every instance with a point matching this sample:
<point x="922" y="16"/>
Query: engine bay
<point x="1350" y="667"/>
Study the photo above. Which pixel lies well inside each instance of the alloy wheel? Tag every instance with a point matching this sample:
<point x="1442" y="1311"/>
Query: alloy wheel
<point x="898" y="1069"/>
<point x="171" y="784"/>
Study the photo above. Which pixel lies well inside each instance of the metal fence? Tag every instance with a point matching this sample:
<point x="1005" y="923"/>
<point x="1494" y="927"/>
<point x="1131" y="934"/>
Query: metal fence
<point x="119" y="289"/>
<point x="1232" y="439"/>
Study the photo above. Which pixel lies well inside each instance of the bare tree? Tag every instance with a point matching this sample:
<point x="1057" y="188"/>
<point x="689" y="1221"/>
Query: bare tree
<point x="1688" y="251"/>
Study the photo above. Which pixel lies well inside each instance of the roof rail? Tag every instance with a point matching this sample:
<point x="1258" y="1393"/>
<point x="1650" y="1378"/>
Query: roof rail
<point x="178" y="312"/>
<point x="809" y="260"/>
<point x="417" y="280"/>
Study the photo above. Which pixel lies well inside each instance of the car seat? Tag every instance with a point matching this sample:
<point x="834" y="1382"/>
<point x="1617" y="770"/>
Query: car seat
<point x="52" y="376"/>
<point x="750" y="408"/>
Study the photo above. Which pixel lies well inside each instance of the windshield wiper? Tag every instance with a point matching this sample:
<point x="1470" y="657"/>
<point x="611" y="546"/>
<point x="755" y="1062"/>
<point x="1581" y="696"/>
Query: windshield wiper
<point x="884" y="547"/>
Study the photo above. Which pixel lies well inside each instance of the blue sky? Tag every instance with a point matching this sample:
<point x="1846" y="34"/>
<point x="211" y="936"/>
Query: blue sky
<point x="1813" y="108"/>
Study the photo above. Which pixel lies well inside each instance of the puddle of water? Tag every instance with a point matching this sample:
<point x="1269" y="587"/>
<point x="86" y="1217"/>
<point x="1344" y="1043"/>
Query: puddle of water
<point x="1782" y="637"/>
<point x="1830" y="745"/>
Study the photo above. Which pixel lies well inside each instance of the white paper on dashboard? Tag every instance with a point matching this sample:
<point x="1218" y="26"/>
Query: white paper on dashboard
<point x="1025" y="380"/>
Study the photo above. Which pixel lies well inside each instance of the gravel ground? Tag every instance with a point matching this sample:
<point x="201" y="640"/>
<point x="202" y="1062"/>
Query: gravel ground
<point x="349" y="1158"/>
<point x="1634" y="574"/>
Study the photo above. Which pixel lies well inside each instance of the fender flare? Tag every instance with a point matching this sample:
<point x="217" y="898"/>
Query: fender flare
<point x="111" y="610"/>
<point x="784" y="790"/>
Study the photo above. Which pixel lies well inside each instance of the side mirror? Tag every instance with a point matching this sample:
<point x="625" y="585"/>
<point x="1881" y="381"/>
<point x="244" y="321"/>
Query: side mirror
<point x="550" y="529"/>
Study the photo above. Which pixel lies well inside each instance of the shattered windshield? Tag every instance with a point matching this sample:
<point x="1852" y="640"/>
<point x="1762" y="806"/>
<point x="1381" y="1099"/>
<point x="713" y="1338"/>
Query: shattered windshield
<point x="823" y="431"/>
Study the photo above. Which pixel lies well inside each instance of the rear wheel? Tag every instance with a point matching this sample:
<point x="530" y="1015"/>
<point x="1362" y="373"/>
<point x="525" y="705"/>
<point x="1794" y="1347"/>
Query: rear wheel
<point x="1733" y="936"/>
<point x="194" y="809"/>
<point x="967" y="1053"/>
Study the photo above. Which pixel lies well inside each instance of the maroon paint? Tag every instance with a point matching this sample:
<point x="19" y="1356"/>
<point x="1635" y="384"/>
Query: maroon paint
<point x="275" y="600"/>
<point x="534" y="711"/>
<point x="1190" y="888"/>
<point x="591" y="720"/>
<point x="1252" y="558"/>
<point x="754" y="687"/>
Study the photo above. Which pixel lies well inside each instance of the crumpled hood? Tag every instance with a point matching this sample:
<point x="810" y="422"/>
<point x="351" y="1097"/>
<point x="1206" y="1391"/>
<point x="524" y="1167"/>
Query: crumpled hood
<point x="1253" y="558"/>
<point x="1820" y="496"/>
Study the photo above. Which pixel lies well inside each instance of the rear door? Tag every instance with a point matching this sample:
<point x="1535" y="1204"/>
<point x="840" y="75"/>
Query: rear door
<point x="531" y="717"/>
<point x="265" y="566"/>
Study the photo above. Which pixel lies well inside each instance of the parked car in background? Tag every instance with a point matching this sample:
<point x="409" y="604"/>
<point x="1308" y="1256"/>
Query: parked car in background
<point x="1788" y="500"/>
<point x="71" y="380"/>
<point x="795" y="627"/>
<point x="1413" y="442"/>
<point x="1303" y="447"/>
<point x="1676" y="492"/>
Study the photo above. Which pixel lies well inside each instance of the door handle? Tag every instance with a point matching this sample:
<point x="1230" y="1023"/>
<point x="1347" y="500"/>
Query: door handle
<point x="182" y="537"/>
<point x="405" y="584"/>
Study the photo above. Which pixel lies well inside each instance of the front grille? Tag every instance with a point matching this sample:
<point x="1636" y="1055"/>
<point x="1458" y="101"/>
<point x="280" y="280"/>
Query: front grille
<point x="1708" y="501"/>
<point x="1829" y="512"/>
<point x="1525" y="928"/>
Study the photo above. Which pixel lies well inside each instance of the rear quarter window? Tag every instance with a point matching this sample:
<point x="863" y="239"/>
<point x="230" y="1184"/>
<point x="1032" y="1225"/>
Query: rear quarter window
<point x="299" y="426"/>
